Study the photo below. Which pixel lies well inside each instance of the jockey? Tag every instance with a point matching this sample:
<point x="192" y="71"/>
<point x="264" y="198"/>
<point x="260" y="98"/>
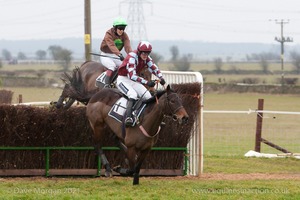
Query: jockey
<point x="132" y="85"/>
<point x="114" y="40"/>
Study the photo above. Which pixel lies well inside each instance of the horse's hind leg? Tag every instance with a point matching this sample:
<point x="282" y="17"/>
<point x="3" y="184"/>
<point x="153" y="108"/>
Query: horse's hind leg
<point x="104" y="161"/>
<point x="108" y="171"/>
<point x="99" y="131"/>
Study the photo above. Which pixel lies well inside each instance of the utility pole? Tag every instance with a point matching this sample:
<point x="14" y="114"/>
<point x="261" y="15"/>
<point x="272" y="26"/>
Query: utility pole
<point x="282" y="40"/>
<point x="87" y="29"/>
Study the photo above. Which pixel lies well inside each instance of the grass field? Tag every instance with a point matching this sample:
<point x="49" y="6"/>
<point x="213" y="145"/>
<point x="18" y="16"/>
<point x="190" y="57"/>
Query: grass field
<point x="227" y="137"/>
<point x="150" y="188"/>
<point x="34" y="94"/>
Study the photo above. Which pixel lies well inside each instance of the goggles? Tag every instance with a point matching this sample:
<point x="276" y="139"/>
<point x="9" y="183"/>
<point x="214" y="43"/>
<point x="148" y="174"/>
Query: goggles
<point x="145" y="52"/>
<point x="121" y="27"/>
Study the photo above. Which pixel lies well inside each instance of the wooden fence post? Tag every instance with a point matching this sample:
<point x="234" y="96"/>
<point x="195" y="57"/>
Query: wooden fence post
<point x="20" y="98"/>
<point x="259" y="120"/>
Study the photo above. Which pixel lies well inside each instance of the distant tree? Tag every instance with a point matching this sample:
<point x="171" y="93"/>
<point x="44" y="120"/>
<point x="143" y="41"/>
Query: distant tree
<point x="41" y="54"/>
<point x="183" y="64"/>
<point x="295" y="56"/>
<point x="264" y="64"/>
<point x="156" y="57"/>
<point x="55" y="51"/>
<point x="218" y="64"/>
<point x="175" y="53"/>
<point x="21" y="56"/>
<point x="66" y="57"/>
<point x="1" y="64"/>
<point x="60" y="54"/>
<point x="6" y="55"/>
<point x="180" y="63"/>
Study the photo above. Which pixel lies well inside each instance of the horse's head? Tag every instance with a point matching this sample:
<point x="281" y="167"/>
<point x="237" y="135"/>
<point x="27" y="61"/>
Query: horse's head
<point x="174" y="106"/>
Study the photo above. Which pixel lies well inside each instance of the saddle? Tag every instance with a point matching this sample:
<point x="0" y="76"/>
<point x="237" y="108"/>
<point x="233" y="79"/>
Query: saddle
<point x="118" y="110"/>
<point x="100" y="80"/>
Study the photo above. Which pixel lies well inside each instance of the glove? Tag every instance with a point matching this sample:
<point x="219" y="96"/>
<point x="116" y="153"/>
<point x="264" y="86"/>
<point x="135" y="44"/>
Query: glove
<point x="162" y="81"/>
<point x="151" y="83"/>
<point x="121" y="57"/>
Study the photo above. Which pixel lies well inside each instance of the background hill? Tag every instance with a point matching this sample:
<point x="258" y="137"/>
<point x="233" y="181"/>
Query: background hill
<point x="198" y="49"/>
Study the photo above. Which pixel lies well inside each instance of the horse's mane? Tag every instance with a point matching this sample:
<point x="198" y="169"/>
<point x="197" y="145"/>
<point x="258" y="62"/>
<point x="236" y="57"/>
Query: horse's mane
<point x="157" y="94"/>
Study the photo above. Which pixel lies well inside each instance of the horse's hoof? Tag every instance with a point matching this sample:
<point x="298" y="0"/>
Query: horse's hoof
<point x="108" y="174"/>
<point x="135" y="182"/>
<point x="117" y="168"/>
<point x="136" y="179"/>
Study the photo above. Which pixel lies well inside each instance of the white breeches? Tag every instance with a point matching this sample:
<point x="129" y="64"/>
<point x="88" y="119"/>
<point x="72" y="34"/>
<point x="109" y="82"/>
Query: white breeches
<point x="132" y="89"/>
<point x="110" y="63"/>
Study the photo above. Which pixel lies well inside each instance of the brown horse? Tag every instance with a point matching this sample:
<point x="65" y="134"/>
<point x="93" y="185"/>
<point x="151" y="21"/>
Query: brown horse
<point x="136" y="141"/>
<point x="83" y="80"/>
<point x="81" y="86"/>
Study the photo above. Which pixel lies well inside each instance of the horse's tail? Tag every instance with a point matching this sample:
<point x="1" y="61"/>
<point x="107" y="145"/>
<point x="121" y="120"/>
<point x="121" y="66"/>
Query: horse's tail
<point x="76" y="89"/>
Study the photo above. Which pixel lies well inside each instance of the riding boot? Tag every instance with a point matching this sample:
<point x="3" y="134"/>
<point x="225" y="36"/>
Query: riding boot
<point x="113" y="77"/>
<point x="128" y="119"/>
<point x="107" y="82"/>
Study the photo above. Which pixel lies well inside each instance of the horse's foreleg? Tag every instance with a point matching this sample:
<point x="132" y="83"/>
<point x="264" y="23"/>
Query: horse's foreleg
<point x="120" y="143"/>
<point x="136" y="172"/>
<point x="123" y="171"/>
<point x="69" y="103"/>
<point x="124" y="148"/>
<point x="131" y="157"/>
<point x="59" y="102"/>
<point x="119" y="169"/>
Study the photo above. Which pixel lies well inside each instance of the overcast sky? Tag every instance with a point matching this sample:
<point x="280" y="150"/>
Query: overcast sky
<point x="204" y="20"/>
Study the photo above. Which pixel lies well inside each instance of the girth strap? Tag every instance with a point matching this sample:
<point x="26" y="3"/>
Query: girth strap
<point x="145" y="132"/>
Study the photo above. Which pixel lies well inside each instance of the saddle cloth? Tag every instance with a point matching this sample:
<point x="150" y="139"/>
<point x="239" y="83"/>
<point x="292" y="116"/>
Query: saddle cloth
<point x="118" y="110"/>
<point x="101" y="77"/>
<point x="100" y="80"/>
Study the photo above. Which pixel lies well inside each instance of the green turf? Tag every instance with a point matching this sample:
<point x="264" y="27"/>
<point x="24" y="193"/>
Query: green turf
<point x="149" y="188"/>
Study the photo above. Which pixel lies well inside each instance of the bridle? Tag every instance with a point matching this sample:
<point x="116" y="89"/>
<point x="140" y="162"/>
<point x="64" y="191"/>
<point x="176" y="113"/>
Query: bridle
<point x="173" y="110"/>
<point x="172" y="115"/>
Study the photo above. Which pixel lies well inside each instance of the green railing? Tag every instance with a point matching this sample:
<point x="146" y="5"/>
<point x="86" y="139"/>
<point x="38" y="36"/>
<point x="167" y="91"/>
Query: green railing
<point x="48" y="149"/>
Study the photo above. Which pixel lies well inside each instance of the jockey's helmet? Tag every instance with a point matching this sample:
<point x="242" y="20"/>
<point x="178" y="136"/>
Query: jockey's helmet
<point x="119" y="22"/>
<point x="144" y="46"/>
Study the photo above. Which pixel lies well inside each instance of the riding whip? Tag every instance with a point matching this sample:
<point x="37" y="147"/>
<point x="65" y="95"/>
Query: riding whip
<point x="96" y="54"/>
